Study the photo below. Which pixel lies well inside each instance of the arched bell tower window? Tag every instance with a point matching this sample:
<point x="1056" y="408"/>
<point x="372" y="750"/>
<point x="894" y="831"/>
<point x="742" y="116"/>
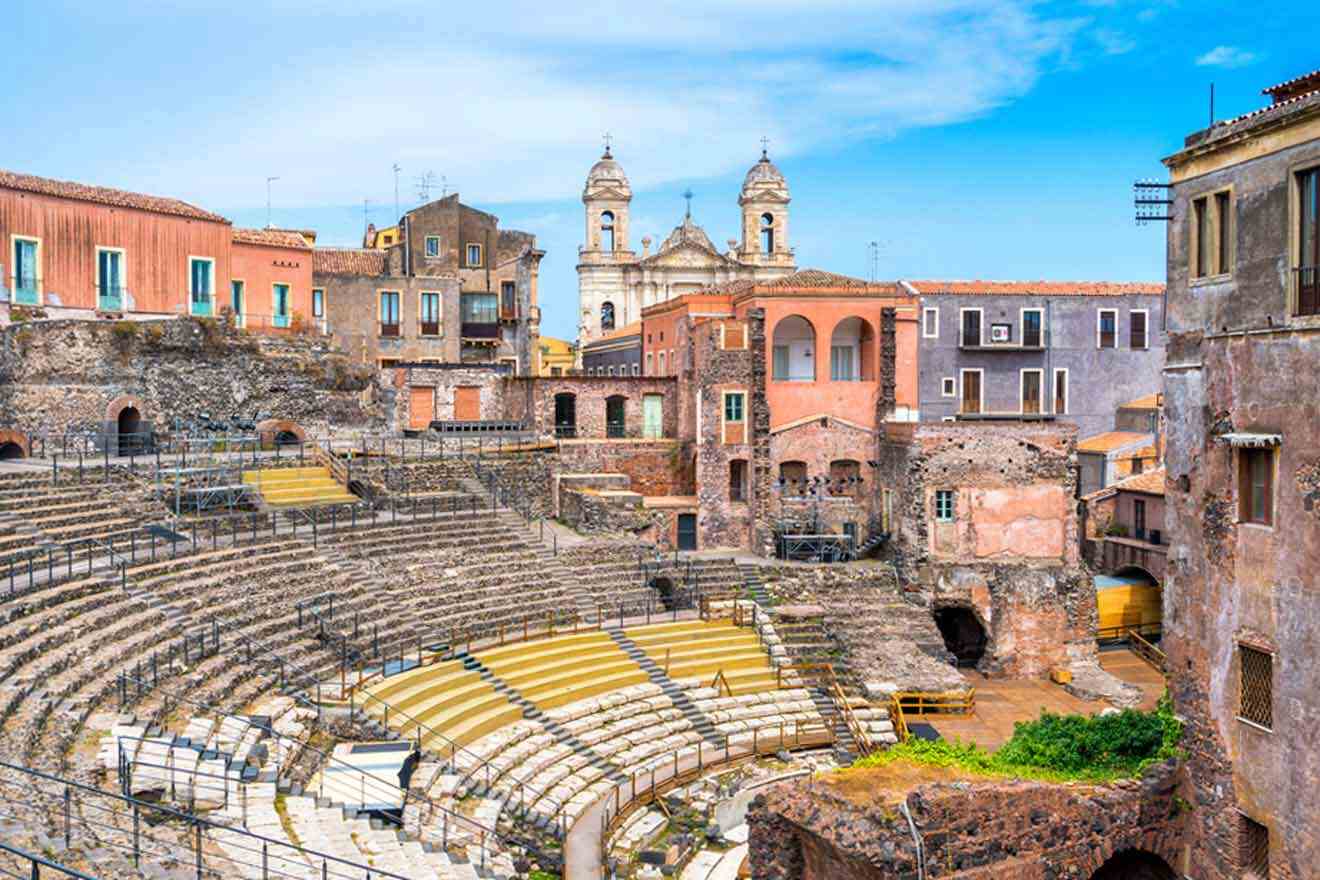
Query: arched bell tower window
<point x="607" y="231"/>
<point x="767" y="233"/>
<point x="607" y="316"/>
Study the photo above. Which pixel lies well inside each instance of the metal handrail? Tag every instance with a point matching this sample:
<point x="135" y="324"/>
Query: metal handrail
<point x="37" y="862"/>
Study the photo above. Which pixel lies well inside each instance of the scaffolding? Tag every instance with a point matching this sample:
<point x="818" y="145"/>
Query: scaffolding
<point x="209" y="475"/>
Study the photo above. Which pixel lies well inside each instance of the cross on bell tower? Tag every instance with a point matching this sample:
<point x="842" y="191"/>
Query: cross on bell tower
<point x="765" y="147"/>
<point x="608" y="140"/>
<point x="687" y="194"/>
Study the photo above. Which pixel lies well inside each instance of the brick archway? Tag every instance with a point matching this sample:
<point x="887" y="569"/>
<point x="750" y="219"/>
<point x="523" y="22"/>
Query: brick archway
<point x="271" y="430"/>
<point x="1163" y="840"/>
<point x="13" y="444"/>
<point x="127" y="409"/>
<point x="121" y="403"/>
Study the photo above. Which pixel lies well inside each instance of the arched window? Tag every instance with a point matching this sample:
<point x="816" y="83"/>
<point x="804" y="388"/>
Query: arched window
<point x="767" y="233"/>
<point x="793" y="478"/>
<point x="845" y="477"/>
<point x="852" y="351"/>
<point x="607" y="231"/>
<point x="607" y="316"/>
<point x="794" y="352"/>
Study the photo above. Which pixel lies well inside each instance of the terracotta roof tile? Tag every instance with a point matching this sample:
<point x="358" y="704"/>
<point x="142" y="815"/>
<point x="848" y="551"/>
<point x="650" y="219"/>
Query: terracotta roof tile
<point x="287" y="238"/>
<point x="1298" y="85"/>
<point x="1150" y="401"/>
<point x="809" y="278"/>
<point x="104" y="195"/>
<point x="1109" y="441"/>
<point x="633" y="329"/>
<point x="1036" y="288"/>
<point x="1150" y="482"/>
<point x="349" y="261"/>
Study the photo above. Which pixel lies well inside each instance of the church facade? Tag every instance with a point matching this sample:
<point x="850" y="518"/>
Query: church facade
<point x="615" y="283"/>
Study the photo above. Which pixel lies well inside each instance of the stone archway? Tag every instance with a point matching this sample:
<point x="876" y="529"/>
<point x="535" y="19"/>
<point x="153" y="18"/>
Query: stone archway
<point x="127" y="428"/>
<point x="13" y="445"/>
<point x="1134" y="864"/>
<point x="664" y="590"/>
<point x="964" y="634"/>
<point x="280" y="432"/>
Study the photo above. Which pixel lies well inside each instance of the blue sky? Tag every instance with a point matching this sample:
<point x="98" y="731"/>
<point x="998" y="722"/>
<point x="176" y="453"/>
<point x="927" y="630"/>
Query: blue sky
<point x="971" y="138"/>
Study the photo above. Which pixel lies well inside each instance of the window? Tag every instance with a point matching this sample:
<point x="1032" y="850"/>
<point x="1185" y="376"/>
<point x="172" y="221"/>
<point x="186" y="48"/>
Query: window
<point x="733" y="406"/>
<point x="1256" y="703"/>
<point x="478" y="308"/>
<point x="1031" y="328"/>
<point x="389" y="313"/>
<point x="27" y="271"/>
<point x="201" y="280"/>
<point x="318" y="302"/>
<point x="1138" y="511"/>
<point x="1256" y="486"/>
<point x="110" y="279"/>
<point x="430" y="314"/>
<point x="1212" y="235"/>
<point x="1107" y="328"/>
<point x="1029" y="398"/>
<point x="971" y="392"/>
<point x="508" y="299"/>
<point x="767" y="234"/>
<point x="606" y="316"/>
<point x="1253" y="849"/>
<point x="1308" y="242"/>
<point x="474" y="255"/>
<point x="662" y="364"/>
<point x="944" y="505"/>
<point x="1060" y="392"/>
<point x="649" y="368"/>
<point x="845" y="477"/>
<point x="793" y="352"/>
<point x="738" y="480"/>
<point x="636" y="369"/>
<point x="236" y="304"/>
<point x="793" y="477"/>
<point x="609" y="371"/>
<point x="1137" y="335"/>
<point x="930" y="323"/>
<point x="971" y="327"/>
<point x="949" y="386"/>
<point x="607" y="232"/>
<point x="432" y="246"/>
<point x="841" y="363"/>
<point x="279" y="299"/>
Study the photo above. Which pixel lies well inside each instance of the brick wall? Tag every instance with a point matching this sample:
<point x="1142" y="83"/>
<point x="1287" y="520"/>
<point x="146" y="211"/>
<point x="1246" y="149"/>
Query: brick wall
<point x="533" y="399"/>
<point x="653" y="467"/>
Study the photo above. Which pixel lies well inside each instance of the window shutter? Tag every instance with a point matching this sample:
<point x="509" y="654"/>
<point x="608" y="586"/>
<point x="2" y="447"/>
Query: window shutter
<point x="1244" y="486"/>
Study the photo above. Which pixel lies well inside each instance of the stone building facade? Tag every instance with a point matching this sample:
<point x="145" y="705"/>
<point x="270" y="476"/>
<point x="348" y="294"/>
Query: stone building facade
<point x="615" y="283"/>
<point x="1243" y="491"/>
<point x="1071" y="351"/>
<point x="455" y="288"/>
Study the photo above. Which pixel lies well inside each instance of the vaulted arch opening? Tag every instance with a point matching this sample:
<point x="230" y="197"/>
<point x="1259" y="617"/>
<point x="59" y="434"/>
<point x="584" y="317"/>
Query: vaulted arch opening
<point x="793" y="357"/>
<point x="964" y="636"/>
<point x="607" y="231"/>
<point x="852" y="351"/>
<point x="1134" y="864"/>
<point x="9" y="450"/>
<point x="128" y="428"/>
<point x="606" y="316"/>
<point x="767" y="233"/>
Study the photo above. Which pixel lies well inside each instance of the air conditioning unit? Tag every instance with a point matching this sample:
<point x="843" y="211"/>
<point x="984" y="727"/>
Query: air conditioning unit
<point x="1000" y="333"/>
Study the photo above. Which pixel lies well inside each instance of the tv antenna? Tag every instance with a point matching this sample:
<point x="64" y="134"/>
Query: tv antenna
<point x="424" y="185"/>
<point x="269" y="181"/>
<point x="397" y="169"/>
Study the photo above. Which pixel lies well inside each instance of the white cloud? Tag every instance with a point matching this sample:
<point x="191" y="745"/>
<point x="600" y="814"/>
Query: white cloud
<point x="510" y="104"/>
<point x="1226" y="56"/>
<point x="1114" y="42"/>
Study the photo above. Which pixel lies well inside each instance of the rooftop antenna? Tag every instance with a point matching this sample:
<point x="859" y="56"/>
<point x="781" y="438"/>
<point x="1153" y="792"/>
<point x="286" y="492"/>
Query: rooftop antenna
<point x="424" y="185"/>
<point x="268" y="181"/>
<point x="1212" y="105"/>
<point x="397" y="169"/>
<point x="444" y="186"/>
<point x="687" y="194"/>
<point x="765" y="148"/>
<point x="366" y="215"/>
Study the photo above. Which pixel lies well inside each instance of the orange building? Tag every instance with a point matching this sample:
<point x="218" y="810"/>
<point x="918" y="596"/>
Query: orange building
<point x="78" y="251"/>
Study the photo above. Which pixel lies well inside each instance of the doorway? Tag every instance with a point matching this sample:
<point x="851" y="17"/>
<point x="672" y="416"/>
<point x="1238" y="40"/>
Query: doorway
<point x="964" y="637"/>
<point x="467" y="403"/>
<point x="653" y="416"/>
<point x="565" y="415"/>
<point x="1134" y="864"/>
<point x="615" y="425"/>
<point x="128" y="430"/>
<point x="9" y="450"/>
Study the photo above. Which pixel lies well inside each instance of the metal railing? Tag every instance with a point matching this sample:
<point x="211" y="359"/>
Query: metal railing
<point x="937" y="702"/>
<point x="36" y="863"/>
<point x="1148" y="652"/>
<point x="1307" y="282"/>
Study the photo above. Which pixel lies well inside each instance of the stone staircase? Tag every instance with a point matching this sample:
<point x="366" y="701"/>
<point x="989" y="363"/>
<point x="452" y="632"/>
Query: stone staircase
<point x="700" y="723"/>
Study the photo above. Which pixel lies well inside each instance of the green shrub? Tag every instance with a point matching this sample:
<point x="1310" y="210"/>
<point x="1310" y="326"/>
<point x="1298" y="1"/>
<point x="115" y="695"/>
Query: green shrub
<point x="1058" y="747"/>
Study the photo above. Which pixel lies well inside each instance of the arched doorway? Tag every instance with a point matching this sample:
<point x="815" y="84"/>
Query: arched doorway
<point x="128" y="431"/>
<point x="963" y="634"/>
<point x="9" y="450"/>
<point x="1134" y="864"/>
<point x="793" y="354"/>
<point x="286" y="438"/>
<point x="615" y="424"/>
<point x="852" y="350"/>
<point x="565" y="414"/>
<point x="664" y="591"/>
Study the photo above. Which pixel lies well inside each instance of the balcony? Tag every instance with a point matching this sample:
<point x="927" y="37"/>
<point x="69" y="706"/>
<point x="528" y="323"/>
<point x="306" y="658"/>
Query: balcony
<point x="965" y="345"/>
<point x="481" y="330"/>
<point x="111" y="299"/>
<point x="1119" y="553"/>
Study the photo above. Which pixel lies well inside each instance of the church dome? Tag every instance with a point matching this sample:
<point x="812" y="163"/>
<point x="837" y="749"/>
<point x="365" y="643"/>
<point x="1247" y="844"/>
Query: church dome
<point x="607" y="174"/>
<point x="763" y="179"/>
<point x="687" y="232"/>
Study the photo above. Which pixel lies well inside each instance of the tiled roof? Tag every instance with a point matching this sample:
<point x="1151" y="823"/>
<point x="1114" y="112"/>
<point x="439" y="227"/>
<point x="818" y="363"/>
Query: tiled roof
<point x="1036" y="288"/>
<point x="349" y="261"/>
<point x="1109" y="441"/>
<point x="1150" y="482"/>
<point x="286" y="238"/>
<point x="633" y="329"/>
<point x="1150" y="401"/>
<point x="1291" y="88"/>
<point x="104" y="195"/>
<point x="807" y="278"/>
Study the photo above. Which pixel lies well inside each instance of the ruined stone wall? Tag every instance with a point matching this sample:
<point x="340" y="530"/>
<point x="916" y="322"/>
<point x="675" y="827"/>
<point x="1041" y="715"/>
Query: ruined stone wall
<point x="1236" y="353"/>
<point x="75" y="376"/>
<point x="654" y="467"/>
<point x="1011" y="554"/>
<point x="533" y="400"/>
<point x="444" y="382"/>
<point x="723" y="519"/>
<point x="825" y="830"/>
